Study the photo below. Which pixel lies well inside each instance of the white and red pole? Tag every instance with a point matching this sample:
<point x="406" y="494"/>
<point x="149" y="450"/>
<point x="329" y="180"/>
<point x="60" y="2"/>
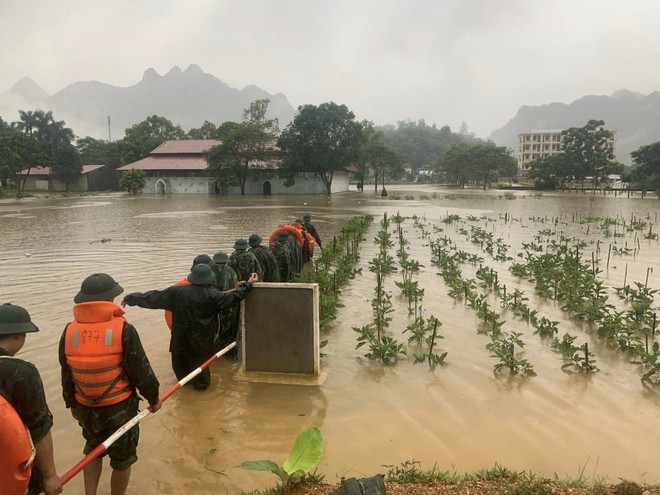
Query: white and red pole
<point x="143" y="414"/>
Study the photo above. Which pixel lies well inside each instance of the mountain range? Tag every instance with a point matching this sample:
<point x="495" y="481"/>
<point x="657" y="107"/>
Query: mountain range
<point x="192" y="96"/>
<point x="634" y="117"/>
<point x="187" y="98"/>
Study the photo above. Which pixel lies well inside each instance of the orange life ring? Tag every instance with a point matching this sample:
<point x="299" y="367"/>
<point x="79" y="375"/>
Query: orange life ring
<point x="310" y="240"/>
<point x="291" y="230"/>
<point x="16" y="453"/>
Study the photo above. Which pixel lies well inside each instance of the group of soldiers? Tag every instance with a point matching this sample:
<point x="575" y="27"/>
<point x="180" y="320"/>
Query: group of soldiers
<point x="281" y="261"/>
<point x="104" y="364"/>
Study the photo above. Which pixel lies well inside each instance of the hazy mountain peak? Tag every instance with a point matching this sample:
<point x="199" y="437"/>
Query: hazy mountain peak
<point x="626" y="93"/>
<point x="174" y="71"/>
<point x="28" y="89"/>
<point x="150" y="74"/>
<point x="193" y="69"/>
<point x="186" y="98"/>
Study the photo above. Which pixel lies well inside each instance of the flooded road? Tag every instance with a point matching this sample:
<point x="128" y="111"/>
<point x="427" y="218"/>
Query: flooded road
<point x="460" y="416"/>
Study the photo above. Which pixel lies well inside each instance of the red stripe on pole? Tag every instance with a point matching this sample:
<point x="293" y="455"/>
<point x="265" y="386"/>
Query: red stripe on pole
<point x="103" y="447"/>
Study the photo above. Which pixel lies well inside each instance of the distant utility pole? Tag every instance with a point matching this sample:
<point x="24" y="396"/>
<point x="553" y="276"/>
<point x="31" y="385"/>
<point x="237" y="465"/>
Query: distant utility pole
<point x="109" y="135"/>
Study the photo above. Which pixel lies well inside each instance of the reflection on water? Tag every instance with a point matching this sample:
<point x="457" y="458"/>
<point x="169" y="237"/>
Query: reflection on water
<point x="460" y="416"/>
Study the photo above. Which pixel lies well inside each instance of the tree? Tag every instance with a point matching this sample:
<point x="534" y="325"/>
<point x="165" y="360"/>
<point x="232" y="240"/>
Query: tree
<point x="420" y="145"/>
<point x="142" y="138"/>
<point x="382" y="159"/>
<point x="66" y="164"/>
<point x="48" y="145"/>
<point x="455" y="165"/>
<point x="133" y="180"/>
<point x="99" y="151"/>
<point x="207" y="131"/>
<point x="550" y="172"/>
<point x="480" y="162"/>
<point x="244" y="144"/>
<point x="646" y="172"/>
<point x="490" y="160"/>
<point x="587" y="150"/>
<point x="320" y="139"/>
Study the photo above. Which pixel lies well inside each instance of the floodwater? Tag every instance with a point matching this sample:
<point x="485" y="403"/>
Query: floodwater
<point x="460" y="416"/>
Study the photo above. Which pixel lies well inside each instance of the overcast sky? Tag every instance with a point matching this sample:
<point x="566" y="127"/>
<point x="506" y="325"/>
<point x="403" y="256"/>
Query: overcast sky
<point x="445" y="61"/>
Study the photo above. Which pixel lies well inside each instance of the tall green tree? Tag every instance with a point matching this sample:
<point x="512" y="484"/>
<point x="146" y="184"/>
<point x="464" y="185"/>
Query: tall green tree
<point x="143" y="137"/>
<point x="383" y="161"/>
<point x="456" y="165"/>
<point x="550" y="172"/>
<point x="99" y="151"/>
<point x="320" y="139"/>
<point x="478" y="162"/>
<point x="646" y="170"/>
<point x="587" y="151"/>
<point x="66" y="164"/>
<point x="244" y="145"/>
<point x="490" y="161"/>
<point x="133" y="180"/>
<point x="48" y="145"/>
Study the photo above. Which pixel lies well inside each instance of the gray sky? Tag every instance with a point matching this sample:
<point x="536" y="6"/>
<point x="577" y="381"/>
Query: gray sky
<point x="446" y="61"/>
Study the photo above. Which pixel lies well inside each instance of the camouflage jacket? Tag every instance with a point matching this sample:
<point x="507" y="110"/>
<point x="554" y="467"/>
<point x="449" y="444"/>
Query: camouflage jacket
<point x="225" y="277"/>
<point x="268" y="263"/>
<point x="284" y="261"/>
<point x="245" y="264"/>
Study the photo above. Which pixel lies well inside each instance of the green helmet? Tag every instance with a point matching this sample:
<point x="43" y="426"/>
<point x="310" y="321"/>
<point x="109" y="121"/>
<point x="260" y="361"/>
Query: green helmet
<point x="14" y="319"/>
<point x="98" y="287"/>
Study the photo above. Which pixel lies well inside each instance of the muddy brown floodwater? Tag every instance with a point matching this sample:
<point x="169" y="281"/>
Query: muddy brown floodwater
<point x="461" y="416"/>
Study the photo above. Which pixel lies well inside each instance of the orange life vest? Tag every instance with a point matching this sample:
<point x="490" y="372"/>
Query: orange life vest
<point x="16" y="452"/>
<point x="94" y="351"/>
<point x="168" y="313"/>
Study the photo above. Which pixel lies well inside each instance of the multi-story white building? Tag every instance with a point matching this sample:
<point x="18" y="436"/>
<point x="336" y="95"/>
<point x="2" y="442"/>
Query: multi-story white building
<point x="537" y="144"/>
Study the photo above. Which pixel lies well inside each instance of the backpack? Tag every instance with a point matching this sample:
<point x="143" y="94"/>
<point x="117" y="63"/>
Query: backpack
<point x="364" y="486"/>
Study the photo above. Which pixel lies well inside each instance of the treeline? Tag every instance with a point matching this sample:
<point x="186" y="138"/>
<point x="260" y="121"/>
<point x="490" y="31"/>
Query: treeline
<point x="321" y="140"/>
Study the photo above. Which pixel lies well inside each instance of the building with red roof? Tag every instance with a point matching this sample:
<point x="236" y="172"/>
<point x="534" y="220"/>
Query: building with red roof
<point x="180" y="167"/>
<point x="93" y="177"/>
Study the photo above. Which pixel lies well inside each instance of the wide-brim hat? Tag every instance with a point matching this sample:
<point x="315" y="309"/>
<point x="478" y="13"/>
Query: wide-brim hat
<point x="201" y="275"/>
<point x="98" y="287"/>
<point x="307" y="217"/>
<point x="283" y="234"/>
<point x="15" y="319"/>
<point x="254" y="240"/>
<point x="203" y="259"/>
<point x="221" y="257"/>
<point x="241" y="244"/>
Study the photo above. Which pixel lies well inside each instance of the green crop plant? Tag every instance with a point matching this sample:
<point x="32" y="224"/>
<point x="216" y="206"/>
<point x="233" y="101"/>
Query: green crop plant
<point x="565" y="346"/>
<point x="582" y="359"/>
<point x="546" y="327"/>
<point x="382" y="347"/>
<point x="504" y="350"/>
<point x="304" y="457"/>
<point x="451" y="219"/>
<point x="418" y="330"/>
<point x="431" y="357"/>
<point x="650" y="362"/>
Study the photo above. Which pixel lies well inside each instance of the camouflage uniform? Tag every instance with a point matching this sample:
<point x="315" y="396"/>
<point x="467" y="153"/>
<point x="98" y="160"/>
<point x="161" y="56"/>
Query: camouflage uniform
<point x="98" y="423"/>
<point x="227" y="280"/>
<point x="268" y="263"/>
<point x="245" y="264"/>
<point x="295" y="254"/>
<point x="283" y="257"/>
